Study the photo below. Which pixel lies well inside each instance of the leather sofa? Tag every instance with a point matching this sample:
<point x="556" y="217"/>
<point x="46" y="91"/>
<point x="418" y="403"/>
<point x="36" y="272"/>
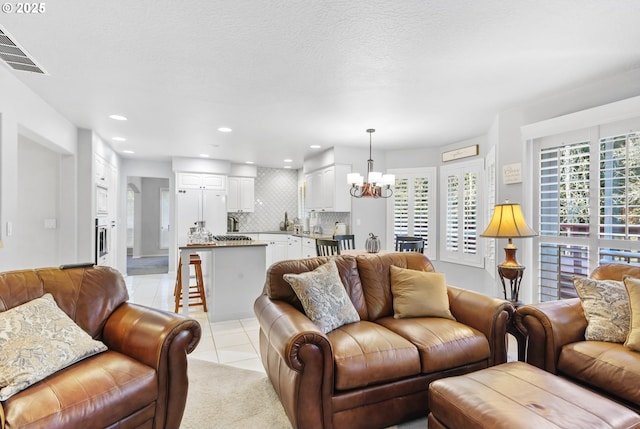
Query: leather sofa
<point x="140" y="381"/>
<point x="375" y="372"/>
<point x="556" y="343"/>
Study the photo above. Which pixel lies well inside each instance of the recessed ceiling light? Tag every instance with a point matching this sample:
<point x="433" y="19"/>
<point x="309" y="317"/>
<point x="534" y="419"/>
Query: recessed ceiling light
<point x="128" y="151"/>
<point x="118" y="117"/>
<point x="249" y="162"/>
<point x="119" y="139"/>
<point x="204" y="155"/>
<point x="287" y="166"/>
<point x="315" y="146"/>
<point x="225" y="129"/>
<point x="288" y="160"/>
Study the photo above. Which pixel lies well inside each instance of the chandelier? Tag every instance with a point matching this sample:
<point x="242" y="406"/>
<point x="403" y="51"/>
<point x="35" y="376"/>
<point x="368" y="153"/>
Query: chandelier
<point x="378" y="185"/>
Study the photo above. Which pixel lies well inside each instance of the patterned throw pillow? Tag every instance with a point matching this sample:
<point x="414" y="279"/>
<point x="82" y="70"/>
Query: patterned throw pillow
<point x="606" y="307"/>
<point x="38" y="339"/>
<point x="323" y="297"/>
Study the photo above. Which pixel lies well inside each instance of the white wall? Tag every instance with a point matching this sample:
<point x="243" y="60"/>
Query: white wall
<point x="39" y="191"/>
<point x="24" y="113"/>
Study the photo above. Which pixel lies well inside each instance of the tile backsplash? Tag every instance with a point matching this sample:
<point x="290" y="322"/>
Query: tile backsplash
<point x="276" y="192"/>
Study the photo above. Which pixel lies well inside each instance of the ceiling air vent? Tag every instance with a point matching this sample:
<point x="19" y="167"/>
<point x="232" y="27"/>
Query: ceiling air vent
<point x="16" y="57"/>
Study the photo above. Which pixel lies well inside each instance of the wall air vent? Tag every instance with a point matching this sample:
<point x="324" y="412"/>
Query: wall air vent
<point x="15" y="56"/>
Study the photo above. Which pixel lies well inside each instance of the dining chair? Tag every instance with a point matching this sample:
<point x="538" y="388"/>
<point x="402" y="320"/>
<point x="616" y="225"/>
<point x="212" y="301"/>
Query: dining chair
<point x="412" y="246"/>
<point x="406" y="238"/>
<point x="327" y="247"/>
<point x="347" y="241"/>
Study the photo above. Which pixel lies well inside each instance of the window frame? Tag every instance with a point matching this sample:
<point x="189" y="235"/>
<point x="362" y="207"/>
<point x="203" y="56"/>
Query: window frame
<point x="593" y="243"/>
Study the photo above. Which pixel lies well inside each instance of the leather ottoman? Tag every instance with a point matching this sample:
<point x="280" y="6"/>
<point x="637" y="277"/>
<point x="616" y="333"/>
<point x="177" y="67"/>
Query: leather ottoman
<point x="519" y="395"/>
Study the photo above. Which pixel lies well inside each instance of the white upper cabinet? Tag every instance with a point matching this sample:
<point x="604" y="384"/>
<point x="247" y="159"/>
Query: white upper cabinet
<point x="327" y="189"/>
<point x="202" y="181"/>
<point x="102" y="171"/>
<point x="241" y="194"/>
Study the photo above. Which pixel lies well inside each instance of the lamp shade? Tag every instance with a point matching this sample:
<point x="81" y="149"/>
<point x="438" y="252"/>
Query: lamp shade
<point x="508" y="222"/>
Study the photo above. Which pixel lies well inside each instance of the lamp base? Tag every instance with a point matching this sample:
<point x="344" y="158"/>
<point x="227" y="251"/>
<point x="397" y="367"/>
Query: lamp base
<point x="512" y="271"/>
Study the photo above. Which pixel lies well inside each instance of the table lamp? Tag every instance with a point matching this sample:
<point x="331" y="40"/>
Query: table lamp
<point x="508" y="222"/>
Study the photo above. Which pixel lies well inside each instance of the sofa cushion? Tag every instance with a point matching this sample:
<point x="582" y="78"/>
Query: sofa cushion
<point x="632" y="286"/>
<point x="37" y="339"/>
<point x="606" y="307"/>
<point x="87" y="394"/>
<point x="323" y="297"/>
<point x="605" y="365"/>
<point x="419" y="294"/>
<point x="376" y="281"/>
<point x="366" y="354"/>
<point x="442" y="343"/>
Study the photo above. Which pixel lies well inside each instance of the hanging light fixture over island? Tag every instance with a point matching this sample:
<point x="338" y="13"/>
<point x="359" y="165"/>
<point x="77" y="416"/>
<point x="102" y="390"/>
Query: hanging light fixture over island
<point x="378" y="185"/>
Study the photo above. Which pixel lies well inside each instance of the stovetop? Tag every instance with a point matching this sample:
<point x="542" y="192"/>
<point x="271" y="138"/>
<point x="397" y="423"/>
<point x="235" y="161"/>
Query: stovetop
<point x="233" y="237"/>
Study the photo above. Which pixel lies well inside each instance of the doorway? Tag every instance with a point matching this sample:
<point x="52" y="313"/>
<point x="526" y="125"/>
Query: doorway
<point x="148" y="214"/>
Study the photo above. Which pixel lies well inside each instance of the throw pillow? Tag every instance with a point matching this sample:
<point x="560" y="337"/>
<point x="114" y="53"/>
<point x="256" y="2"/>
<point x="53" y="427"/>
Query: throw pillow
<point x="633" y="289"/>
<point x="38" y="339"/>
<point x="323" y="297"/>
<point x="419" y="294"/>
<point x="606" y="306"/>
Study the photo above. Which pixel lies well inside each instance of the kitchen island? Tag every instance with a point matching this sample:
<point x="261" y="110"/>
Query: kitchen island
<point x="233" y="273"/>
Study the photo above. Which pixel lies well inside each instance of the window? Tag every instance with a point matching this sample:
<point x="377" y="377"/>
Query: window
<point x="413" y="207"/>
<point x="461" y="206"/>
<point x="589" y="205"/>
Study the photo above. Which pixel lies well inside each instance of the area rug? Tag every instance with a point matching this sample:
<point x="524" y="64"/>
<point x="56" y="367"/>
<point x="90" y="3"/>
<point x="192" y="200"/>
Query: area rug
<point x="147" y="265"/>
<point x="225" y="397"/>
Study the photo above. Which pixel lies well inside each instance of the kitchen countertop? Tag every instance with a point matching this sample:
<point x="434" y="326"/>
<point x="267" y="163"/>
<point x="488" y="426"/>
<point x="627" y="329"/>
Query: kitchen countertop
<point x="218" y="244"/>
<point x="320" y="236"/>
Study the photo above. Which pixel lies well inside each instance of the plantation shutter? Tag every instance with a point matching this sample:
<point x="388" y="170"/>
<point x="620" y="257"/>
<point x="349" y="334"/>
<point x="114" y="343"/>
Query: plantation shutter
<point x="413" y="207"/>
<point x="462" y="206"/>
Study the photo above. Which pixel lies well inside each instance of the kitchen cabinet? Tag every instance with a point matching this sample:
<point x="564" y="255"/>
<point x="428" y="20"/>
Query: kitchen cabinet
<point x="241" y="194"/>
<point x="308" y="247"/>
<point x="277" y="247"/>
<point x="327" y="189"/>
<point x="193" y="205"/>
<point x="215" y="182"/>
<point x="102" y="172"/>
<point x="295" y="247"/>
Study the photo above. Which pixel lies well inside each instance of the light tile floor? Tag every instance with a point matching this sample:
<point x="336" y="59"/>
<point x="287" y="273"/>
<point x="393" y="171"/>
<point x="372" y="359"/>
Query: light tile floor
<point x="233" y="342"/>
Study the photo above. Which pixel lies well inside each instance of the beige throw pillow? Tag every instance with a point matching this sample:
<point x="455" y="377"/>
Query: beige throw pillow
<point x="38" y="339"/>
<point x="323" y="297"/>
<point x="633" y="289"/>
<point x="419" y="294"/>
<point x="606" y="307"/>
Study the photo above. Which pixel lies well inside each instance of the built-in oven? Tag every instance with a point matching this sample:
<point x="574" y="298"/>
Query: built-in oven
<point x="103" y="240"/>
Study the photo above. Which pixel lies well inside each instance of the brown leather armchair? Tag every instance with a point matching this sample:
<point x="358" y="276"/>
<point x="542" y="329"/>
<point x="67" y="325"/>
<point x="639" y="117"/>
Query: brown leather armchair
<point x="556" y="343"/>
<point x="376" y="372"/>
<point x="139" y="382"/>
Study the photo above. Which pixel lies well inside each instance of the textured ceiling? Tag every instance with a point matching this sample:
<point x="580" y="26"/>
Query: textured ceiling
<point x="286" y="74"/>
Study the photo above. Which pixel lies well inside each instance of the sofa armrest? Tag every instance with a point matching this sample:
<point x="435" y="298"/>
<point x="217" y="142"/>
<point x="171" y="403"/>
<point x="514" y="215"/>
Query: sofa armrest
<point x="298" y="359"/>
<point x="486" y="314"/>
<point x="549" y="326"/>
<point x="161" y="340"/>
